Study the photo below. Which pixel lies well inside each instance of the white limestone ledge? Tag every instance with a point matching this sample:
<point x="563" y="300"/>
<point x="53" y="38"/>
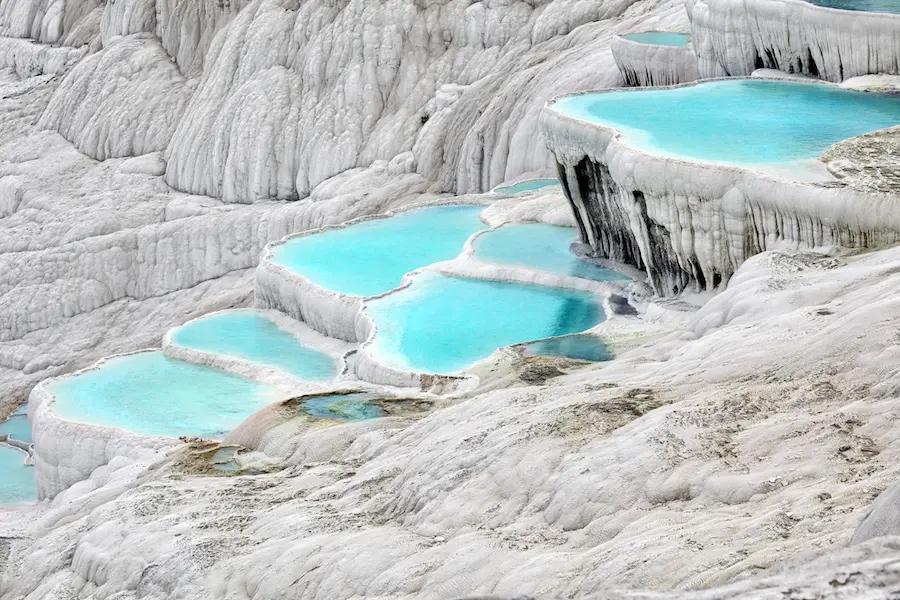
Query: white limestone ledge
<point x="66" y="452"/>
<point x="736" y="37"/>
<point x="643" y="64"/>
<point x="691" y="224"/>
<point x="273" y="376"/>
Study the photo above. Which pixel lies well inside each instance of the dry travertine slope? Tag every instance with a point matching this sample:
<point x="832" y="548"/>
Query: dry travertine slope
<point x="354" y="107"/>
<point x="733" y="451"/>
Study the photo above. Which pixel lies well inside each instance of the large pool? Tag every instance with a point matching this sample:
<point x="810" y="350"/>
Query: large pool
<point x="882" y="6"/>
<point x="16" y="479"/>
<point x="17" y="426"/>
<point x="659" y="38"/>
<point x="257" y="339"/>
<point x="371" y="257"/>
<point x="444" y="324"/>
<point x="529" y="185"/>
<point x="539" y="246"/>
<point x="738" y="122"/>
<point x="151" y="394"/>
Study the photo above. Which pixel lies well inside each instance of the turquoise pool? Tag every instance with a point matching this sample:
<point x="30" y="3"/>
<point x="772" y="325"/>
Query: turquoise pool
<point x="578" y="346"/>
<point x="371" y="257"/>
<point x="529" y="185"/>
<point x="539" y="246"/>
<point x="257" y="339"/>
<point x="16" y="479"/>
<point x="738" y="122"/>
<point x="151" y="394"/>
<point x="344" y="407"/>
<point x="444" y="324"/>
<point x="659" y="38"/>
<point x="881" y="6"/>
<point x="17" y="426"/>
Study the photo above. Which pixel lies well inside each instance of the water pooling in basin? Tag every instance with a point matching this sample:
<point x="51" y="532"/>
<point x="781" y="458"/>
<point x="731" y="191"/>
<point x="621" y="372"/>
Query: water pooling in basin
<point x="16" y="478"/>
<point x="255" y="338"/>
<point x="444" y="324"/>
<point x="737" y="122"/>
<point x="17" y="426"/>
<point x="539" y="246"/>
<point x="151" y="394"/>
<point x="881" y="6"/>
<point x="529" y="185"/>
<point x="344" y="407"/>
<point x="371" y="257"/>
<point x="659" y="38"/>
<point x="578" y="346"/>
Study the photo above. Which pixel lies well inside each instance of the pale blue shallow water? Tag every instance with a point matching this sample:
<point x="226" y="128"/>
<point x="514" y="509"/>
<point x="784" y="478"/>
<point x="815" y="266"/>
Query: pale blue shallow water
<point x="16" y="480"/>
<point x="151" y="394"/>
<point x="17" y="426"/>
<point x="738" y="122"/>
<point x="529" y="185"/>
<point x="257" y="339"/>
<point x="345" y="407"/>
<point x="882" y="6"/>
<point x="659" y="38"/>
<point x="578" y="346"/>
<point x="444" y="324"/>
<point x="540" y="246"/>
<point x="371" y="257"/>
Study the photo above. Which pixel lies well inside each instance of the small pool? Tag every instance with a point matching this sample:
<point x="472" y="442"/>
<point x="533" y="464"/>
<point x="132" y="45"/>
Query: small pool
<point x="257" y="339"/>
<point x="443" y="324"/>
<point x="539" y="246"/>
<point x="344" y="407"/>
<point x="151" y="394"/>
<point x="17" y="426"/>
<point x="371" y="257"/>
<point x="738" y="122"/>
<point x="659" y="38"/>
<point x="879" y="6"/>
<point x="16" y="479"/>
<point x="578" y="346"/>
<point x="529" y="185"/>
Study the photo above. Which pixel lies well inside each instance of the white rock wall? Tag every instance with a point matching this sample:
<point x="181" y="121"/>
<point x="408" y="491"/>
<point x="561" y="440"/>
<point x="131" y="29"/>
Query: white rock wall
<point x="653" y="64"/>
<point x="736" y="37"/>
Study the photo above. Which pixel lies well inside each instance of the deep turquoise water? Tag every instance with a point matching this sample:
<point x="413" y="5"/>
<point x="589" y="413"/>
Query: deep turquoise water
<point x="151" y="394"/>
<point x="17" y="426"/>
<point x="882" y="6"/>
<point x="346" y="407"/>
<point x="540" y="246"/>
<point x="444" y="324"/>
<point x="738" y="122"/>
<point x="16" y="480"/>
<point x="371" y="257"/>
<point x="529" y="185"/>
<point x="579" y="346"/>
<point x="255" y="338"/>
<point x="660" y="38"/>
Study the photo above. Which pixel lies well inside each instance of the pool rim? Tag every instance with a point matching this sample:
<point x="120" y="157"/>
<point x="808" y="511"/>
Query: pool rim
<point x="622" y="38"/>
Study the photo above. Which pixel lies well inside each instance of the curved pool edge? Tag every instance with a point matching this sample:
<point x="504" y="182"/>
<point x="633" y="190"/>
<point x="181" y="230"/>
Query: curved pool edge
<point x="644" y="64"/>
<point x="57" y="464"/>
<point x="648" y="190"/>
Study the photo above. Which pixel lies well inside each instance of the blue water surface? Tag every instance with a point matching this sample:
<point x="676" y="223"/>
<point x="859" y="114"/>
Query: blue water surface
<point x="151" y="394"/>
<point x="539" y="246"/>
<point x="344" y="407"/>
<point x="371" y="257"/>
<point x="444" y="324"/>
<point x="881" y="6"/>
<point x="257" y="339"/>
<point x="659" y="38"/>
<point x="578" y="346"/>
<point x="738" y="122"/>
<point x="16" y="479"/>
<point x="17" y="425"/>
<point x="529" y="185"/>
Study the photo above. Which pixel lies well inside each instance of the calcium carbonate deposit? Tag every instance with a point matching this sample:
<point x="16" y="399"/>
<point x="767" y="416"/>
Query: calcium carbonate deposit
<point x="350" y="299"/>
